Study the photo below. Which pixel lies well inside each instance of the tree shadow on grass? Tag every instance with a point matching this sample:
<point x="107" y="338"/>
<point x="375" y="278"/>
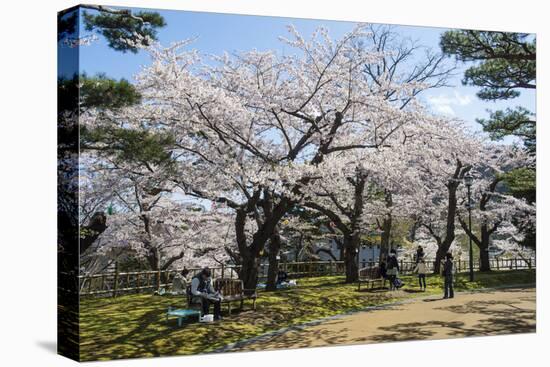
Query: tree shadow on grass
<point x="373" y="290"/>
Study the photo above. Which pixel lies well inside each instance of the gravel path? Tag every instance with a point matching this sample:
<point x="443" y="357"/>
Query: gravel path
<point x="491" y="312"/>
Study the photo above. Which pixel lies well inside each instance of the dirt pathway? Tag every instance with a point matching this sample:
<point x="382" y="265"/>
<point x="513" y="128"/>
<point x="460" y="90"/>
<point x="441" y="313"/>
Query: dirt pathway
<point x="494" y="312"/>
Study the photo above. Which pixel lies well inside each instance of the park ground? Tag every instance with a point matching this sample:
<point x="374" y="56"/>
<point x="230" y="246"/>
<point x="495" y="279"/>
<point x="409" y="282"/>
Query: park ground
<point x="330" y="312"/>
<point x="494" y="312"/>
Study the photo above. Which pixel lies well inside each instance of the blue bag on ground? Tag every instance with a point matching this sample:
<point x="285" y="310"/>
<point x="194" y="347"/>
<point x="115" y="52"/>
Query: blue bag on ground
<point x="398" y="283"/>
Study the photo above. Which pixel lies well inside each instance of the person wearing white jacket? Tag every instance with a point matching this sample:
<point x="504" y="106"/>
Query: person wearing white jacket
<point x="421" y="269"/>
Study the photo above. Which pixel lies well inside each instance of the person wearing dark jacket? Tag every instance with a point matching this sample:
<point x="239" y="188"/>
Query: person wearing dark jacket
<point x="392" y="268"/>
<point x="448" y="269"/>
<point x="204" y="293"/>
<point x="282" y="277"/>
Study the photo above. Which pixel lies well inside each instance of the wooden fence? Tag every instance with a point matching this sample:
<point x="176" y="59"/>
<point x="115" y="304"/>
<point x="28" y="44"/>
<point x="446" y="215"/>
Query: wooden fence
<point x="462" y="265"/>
<point x="111" y="284"/>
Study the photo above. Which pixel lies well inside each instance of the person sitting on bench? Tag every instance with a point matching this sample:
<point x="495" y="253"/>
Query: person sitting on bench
<point x="203" y="292"/>
<point x="282" y="277"/>
<point x="179" y="283"/>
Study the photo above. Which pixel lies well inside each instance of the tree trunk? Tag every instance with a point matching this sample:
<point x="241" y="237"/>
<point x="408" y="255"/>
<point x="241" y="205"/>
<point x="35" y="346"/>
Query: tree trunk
<point x="152" y="259"/>
<point x="444" y="246"/>
<point x="481" y="242"/>
<point x="251" y="253"/>
<point x="386" y="229"/>
<point x="249" y="272"/>
<point x="484" y="263"/>
<point x="439" y="256"/>
<point x="385" y="237"/>
<point x="351" y="244"/>
<point x="154" y="262"/>
<point x="411" y="237"/>
<point x="248" y="258"/>
<point x="90" y="233"/>
<point x="273" y="269"/>
<point x="350" y="261"/>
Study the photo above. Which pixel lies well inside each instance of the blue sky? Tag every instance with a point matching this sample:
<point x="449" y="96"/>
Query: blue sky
<point x="216" y="33"/>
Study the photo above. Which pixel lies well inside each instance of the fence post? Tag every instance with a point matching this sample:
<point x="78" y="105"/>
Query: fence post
<point x="516" y="262"/>
<point x="158" y="280"/>
<point x="137" y="283"/>
<point x="115" y="286"/>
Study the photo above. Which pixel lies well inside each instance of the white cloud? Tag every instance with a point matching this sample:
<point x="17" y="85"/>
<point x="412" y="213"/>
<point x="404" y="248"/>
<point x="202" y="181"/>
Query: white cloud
<point x="444" y="109"/>
<point x="444" y="103"/>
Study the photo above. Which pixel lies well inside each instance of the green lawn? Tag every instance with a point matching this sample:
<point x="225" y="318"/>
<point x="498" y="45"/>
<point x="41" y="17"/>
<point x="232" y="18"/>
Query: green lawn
<point x="135" y="326"/>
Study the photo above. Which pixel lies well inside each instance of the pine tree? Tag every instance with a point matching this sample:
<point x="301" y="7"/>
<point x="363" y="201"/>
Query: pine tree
<point x="504" y="65"/>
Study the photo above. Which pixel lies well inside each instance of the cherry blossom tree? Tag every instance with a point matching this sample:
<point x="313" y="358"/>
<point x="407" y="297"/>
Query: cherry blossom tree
<point x="333" y="126"/>
<point x="253" y="128"/>
<point x="494" y="209"/>
<point x="368" y="190"/>
<point x="354" y="189"/>
<point x="167" y="236"/>
<point x="148" y="219"/>
<point x="508" y="242"/>
<point x="305" y="236"/>
<point x="129" y="168"/>
<point x="446" y="157"/>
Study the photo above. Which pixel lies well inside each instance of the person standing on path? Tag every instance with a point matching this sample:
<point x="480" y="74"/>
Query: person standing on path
<point x="421" y="269"/>
<point x="448" y="274"/>
<point x="393" y="268"/>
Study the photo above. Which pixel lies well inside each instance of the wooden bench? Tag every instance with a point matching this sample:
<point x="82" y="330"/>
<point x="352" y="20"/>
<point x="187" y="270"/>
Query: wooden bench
<point x="370" y="275"/>
<point x="232" y="290"/>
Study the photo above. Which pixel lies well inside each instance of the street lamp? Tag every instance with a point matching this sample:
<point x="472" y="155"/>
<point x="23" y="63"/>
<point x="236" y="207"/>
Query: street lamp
<point x="468" y="181"/>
